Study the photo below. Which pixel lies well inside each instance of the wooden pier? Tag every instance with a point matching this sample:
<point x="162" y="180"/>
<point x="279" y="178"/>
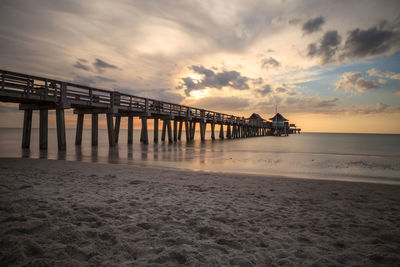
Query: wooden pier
<point x="43" y="94"/>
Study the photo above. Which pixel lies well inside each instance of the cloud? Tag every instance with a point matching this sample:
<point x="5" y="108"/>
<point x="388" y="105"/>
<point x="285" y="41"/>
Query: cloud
<point x="103" y="79"/>
<point x="258" y="81"/>
<point x="79" y="65"/>
<point x="374" y="41"/>
<point x="327" y="47"/>
<point x="351" y="81"/>
<point x="100" y="65"/>
<point x="265" y="90"/>
<point x="92" y="80"/>
<point x="365" y="110"/>
<point x="300" y="103"/>
<point x="158" y="94"/>
<point x="313" y="25"/>
<point x="389" y="75"/>
<point x="218" y="103"/>
<point x="211" y="79"/>
<point x="281" y="90"/>
<point x="270" y="63"/>
<point x="378" y="40"/>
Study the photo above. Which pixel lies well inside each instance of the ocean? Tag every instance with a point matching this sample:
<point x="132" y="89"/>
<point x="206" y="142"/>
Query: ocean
<point x="331" y="156"/>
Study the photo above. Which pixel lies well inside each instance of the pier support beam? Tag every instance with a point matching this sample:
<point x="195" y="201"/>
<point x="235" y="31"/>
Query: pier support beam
<point x="116" y="128"/>
<point x="221" y="131"/>
<point x="169" y="131"/>
<point x="61" y="138"/>
<point x="213" y="131"/>
<point x="193" y="130"/>
<point x="27" y="128"/>
<point x="95" y="129"/>
<point x="155" y="131"/>
<point x="79" y="129"/>
<point x="110" y="128"/>
<point x="180" y="130"/>
<point x="228" y="131"/>
<point x="130" y="130"/>
<point x="187" y="130"/>
<point x="43" y="128"/>
<point x="144" y="134"/>
<point x="175" y="130"/>
<point x="202" y="130"/>
<point x="164" y="129"/>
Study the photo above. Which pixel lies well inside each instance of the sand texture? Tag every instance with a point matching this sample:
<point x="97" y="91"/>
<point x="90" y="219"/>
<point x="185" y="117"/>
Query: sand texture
<point x="58" y="213"/>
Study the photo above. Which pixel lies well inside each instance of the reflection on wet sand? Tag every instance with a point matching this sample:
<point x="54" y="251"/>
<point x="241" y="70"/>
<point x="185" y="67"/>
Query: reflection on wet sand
<point x="308" y="155"/>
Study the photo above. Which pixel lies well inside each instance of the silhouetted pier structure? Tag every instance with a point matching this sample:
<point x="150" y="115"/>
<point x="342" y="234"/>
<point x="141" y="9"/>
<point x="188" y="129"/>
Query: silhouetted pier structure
<point x="43" y="94"/>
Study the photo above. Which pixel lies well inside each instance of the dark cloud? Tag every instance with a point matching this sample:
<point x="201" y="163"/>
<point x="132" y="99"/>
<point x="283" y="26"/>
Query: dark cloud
<point x="379" y="108"/>
<point x="327" y="47"/>
<point x="222" y="103"/>
<point x="374" y="41"/>
<point x="313" y="25"/>
<point x="81" y="66"/>
<point x="104" y="79"/>
<point x="310" y="104"/>
<point x="294" y="21"/>
<point x="378" y="40"/>
<point x="265" y="90"/>
<point x="159" y="94"/>
<point x="100" y="65"/>
<point x="258" y="81"/>
<point x="270" y="63"/>
<point x="354" y="81"/>
<point x="92" y="80"/>
<point x="323" y="103"/>
<point x="213" y="79"/>
<point x="281" y="90"/>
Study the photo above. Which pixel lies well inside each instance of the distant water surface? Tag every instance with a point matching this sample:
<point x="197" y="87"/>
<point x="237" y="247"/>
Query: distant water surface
<point x="350" y="157"/>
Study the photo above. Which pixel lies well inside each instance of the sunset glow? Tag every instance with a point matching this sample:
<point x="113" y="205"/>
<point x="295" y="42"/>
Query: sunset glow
<point x="311" y="59"/>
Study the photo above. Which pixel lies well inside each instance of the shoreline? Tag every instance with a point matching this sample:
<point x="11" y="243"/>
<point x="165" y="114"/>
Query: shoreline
<point x="310" y="176"/>
<point x="66" y="212"/>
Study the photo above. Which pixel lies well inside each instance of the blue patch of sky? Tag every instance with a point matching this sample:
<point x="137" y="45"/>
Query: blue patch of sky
<point x="324" y="83"/>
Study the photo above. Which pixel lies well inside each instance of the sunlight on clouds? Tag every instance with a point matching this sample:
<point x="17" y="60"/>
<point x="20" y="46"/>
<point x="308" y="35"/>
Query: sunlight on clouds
<point x="198" y="94"/>
<point x="196" y="78"/>
<point x="163" y="38"/>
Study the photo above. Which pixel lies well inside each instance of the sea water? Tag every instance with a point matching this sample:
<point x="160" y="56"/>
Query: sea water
<point x="349" y="157"/>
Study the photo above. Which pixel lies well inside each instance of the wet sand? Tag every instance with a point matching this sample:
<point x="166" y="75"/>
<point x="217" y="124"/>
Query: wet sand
<point x="59" y="213"/>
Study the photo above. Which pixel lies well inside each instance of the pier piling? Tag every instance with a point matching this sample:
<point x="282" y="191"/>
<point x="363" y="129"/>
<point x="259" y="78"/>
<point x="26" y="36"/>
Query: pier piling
<point x="110" y="129"/>
<point x="79" y="129"/>
<point x="27" y="127"/>
<point x="95" y="129"/>
<point x="180" y="130"/>
<point x="43" y="128"/>
<point x="130" y="129"/>
<point x="145" y="136"/>
<point x="175" y="130"/>
<point x="61" y="138"/>
<point x="155" y="137"/>
<point x="116" y="128"/>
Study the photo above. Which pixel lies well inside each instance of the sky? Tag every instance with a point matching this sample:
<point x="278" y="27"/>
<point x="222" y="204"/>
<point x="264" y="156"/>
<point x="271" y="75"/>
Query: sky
<point x="328" y="66"/>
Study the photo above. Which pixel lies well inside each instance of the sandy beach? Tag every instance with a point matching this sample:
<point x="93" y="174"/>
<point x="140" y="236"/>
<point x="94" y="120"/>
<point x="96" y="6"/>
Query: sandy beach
<point x="60" y="213"/>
